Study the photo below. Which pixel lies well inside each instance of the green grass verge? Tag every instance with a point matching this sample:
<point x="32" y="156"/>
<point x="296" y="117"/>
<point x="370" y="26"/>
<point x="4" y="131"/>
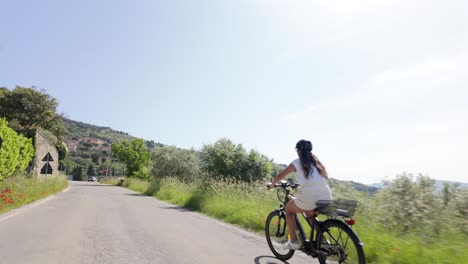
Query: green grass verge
<point x="248" y="205"/>
<point x="19" y="191"/>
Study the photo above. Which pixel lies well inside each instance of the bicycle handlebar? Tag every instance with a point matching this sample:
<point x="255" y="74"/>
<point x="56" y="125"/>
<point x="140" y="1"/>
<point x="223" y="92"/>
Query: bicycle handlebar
<point x="285" y="184"/>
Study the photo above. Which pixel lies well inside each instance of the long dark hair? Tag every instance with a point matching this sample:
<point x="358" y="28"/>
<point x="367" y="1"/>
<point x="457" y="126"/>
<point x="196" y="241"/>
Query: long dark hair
<point x="308" y="159"/>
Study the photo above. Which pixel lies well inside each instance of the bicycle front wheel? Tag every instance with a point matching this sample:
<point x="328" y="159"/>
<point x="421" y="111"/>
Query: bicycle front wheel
<point x="339" y="244"/>
<point x="276" y="232"/>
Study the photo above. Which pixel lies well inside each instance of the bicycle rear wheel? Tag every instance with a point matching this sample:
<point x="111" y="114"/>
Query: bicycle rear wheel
<point x="276" y="232"/>
<point x="339" y="244"/>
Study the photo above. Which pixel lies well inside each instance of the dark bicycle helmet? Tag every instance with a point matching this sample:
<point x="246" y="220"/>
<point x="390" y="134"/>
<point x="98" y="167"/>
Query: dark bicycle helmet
<point x="304" y="145"/>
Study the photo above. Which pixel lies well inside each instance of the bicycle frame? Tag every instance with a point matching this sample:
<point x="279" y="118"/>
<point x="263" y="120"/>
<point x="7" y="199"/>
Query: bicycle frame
<point x="302" y="236"/>
<point x="313" y="222"/>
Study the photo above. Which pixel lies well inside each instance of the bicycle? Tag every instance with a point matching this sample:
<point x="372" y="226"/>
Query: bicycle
<point x="330" y="241"/>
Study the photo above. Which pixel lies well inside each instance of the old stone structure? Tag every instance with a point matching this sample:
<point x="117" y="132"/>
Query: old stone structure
<point x="46" y="157"/>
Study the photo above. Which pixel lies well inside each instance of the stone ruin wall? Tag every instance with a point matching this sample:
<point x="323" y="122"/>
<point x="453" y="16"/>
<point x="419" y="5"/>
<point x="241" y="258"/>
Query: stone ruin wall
<point x="44" y="147"/>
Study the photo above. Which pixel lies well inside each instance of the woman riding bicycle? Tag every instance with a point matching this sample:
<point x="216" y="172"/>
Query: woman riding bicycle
<point x="312" y="176"/>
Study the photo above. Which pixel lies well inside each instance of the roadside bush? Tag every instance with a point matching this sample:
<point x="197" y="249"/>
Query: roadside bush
<point x="16" y="151"/>
<point x="411" y="203"/>
<point x="460" y="209"/>
<point x="224" y="159"/>
<point x="169" y="161"/>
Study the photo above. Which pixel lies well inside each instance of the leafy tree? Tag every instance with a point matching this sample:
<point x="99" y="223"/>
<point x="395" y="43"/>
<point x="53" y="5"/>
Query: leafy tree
<point x="135" y="155"/>
<point x="226" y="159"/>
<point x="150" y="144"/>
<point x="88" y="145"/>
<point x="91" y="171"/>
<point x="101" y="168"/>
<point x="448" y="193"/>
<point x="78" y="173"/>
<point x="171" y="161"/>
<point x="58" y="143"/>
<point x="95" y="158"/>
<point x="83" y="148"/>
<point x="31" y="109"/>
<point x="460" y="209"/>
<point x="69" y="166"/>
<point x="16" y="151"/>
<point x="81" y="161"/>
<point x="276" y="168"/>
<point x="3" y="91"/>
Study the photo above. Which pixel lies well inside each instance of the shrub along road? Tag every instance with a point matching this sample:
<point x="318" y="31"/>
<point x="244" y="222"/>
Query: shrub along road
<point x="97" y="223"/>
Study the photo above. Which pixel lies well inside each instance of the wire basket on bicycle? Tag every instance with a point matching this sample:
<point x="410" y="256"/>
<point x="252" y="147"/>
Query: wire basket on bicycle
<point x="340" y="207"/>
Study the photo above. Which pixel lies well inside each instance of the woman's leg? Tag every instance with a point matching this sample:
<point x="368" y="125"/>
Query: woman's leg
<point x="291" y="209"/>
<point x="311" y="218"/>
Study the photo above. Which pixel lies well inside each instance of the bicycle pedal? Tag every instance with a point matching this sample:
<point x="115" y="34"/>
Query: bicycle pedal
<point x="322" y="253"/>
<point x="307" y="245"/>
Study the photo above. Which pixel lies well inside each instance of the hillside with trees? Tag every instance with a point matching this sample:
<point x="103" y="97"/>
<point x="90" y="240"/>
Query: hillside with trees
<point x="90" y="149"/>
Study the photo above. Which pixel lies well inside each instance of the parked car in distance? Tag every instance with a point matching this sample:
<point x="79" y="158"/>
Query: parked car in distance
<point x="92" y="178"/>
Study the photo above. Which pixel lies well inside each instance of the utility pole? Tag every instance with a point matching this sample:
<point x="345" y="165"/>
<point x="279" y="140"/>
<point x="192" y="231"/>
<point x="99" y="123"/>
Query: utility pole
<point x="109" y="164"/>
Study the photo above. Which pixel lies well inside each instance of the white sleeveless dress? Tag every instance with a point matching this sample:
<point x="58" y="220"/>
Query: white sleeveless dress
<point x="313" y="188"/>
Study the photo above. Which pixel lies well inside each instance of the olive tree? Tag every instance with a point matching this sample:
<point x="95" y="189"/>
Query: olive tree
<point x="226" y="159"/>
<point x="169" y="161"/>
<point x="406" y="203"/>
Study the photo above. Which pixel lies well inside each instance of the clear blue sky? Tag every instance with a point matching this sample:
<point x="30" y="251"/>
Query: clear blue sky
<point x="379" y="87"/>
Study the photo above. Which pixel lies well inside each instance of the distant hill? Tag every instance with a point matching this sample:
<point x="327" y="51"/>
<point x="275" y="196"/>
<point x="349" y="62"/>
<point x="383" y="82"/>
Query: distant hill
<point x="439" y="184"/>
<point x="378" y="185"/>
<point x="356" y="185"/>
<point x="364" y="188"/>
<point x="99" y="135"/>
<point x="78" y="130"/>
<point x="90" y="145"/>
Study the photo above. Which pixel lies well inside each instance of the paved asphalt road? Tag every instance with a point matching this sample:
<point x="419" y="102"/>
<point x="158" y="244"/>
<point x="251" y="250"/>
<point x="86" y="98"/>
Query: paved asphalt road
<point x="96" y="223"/>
